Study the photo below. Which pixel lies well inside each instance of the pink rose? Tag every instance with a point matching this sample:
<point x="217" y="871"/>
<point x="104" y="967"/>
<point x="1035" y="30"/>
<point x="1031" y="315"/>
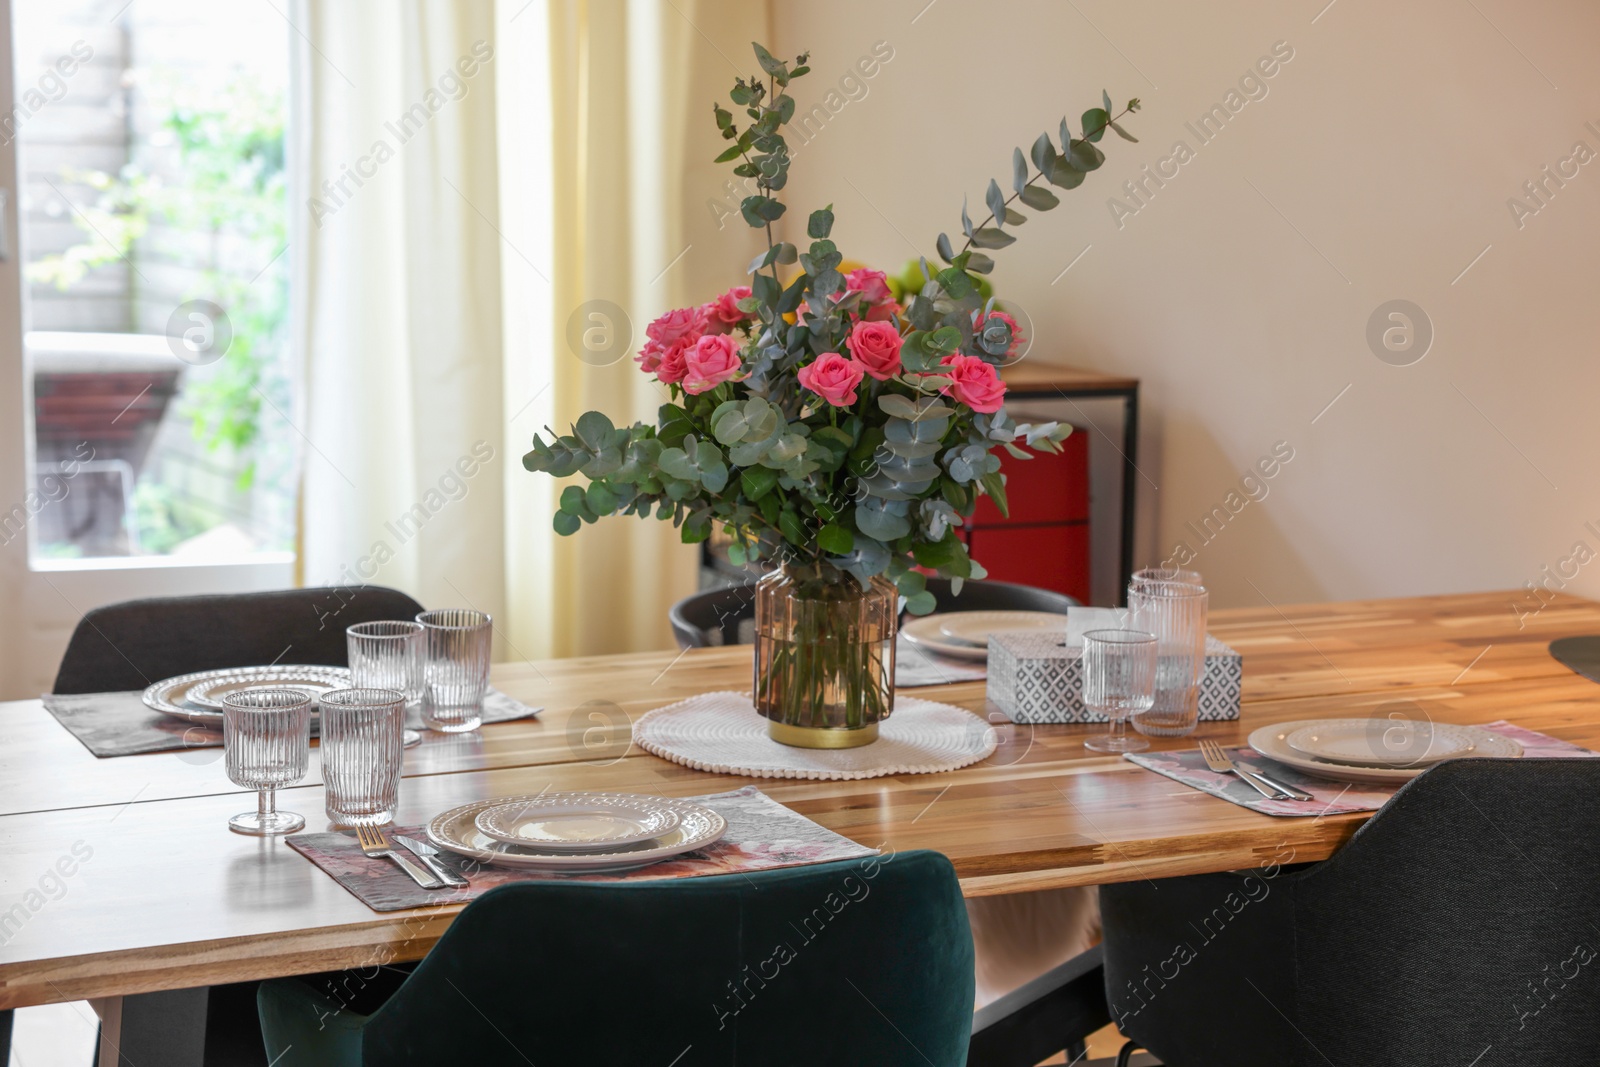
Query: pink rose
<point x="684" y="324"/>
<point x="649" y="357"/>
<point x="974" y="383"/>
<point x="876" y="301"/>
<point x="673" y="364"/>
<point x="833" y="378"/>
<point x="723" y="313"/>
<point x="873" y="285"/>
<point x="713" y="360"/>
<point x="1017" y="338"/>
<point x="876" y="346"/>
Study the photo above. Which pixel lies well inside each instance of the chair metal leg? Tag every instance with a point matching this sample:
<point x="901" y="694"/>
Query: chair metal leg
<point x="1126" y="1055"/>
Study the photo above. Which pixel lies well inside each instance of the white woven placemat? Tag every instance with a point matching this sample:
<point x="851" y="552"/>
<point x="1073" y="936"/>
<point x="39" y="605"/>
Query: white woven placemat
<point x="721" y="733"/>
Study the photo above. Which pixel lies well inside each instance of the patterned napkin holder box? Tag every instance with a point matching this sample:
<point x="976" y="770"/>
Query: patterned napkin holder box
<point x="1034" y="677"/>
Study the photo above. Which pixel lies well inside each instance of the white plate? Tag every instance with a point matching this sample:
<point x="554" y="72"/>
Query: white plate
<point x="578" y="822"/>
<point x="924" y="632"/>
<point x="1381" y="742"/>
<point x="209" y="693"/>
<point x="171" y="696"/>
<point x="1273" y="743"/>
<point x="456" y="831"/>
<point x="974" y="627"/>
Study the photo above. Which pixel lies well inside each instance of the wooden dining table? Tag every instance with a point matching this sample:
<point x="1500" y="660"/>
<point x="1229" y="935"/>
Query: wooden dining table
<point x="120" y="876"/>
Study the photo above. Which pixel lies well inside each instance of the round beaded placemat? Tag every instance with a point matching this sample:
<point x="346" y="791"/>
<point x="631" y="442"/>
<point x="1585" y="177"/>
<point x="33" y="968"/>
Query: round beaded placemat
<point x="721" y="733"/>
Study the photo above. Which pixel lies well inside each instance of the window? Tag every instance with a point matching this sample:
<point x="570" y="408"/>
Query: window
<point x="154" y="224"/>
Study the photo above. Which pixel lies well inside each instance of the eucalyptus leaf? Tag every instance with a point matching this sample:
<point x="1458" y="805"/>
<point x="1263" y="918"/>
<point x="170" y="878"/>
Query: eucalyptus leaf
<point x="1085" y="156"/>
<point x="1124" y="134"/>
<point x="989" y="237"/>
<point x="821" y="222"/>
<point x="594" y="429"/>
<point x="946" y="253"/>
<point x="1064" y="175"/>
<point x="1038" y="198"/>
<point x="996" y="201"/>
<point x="981" y="263"/>
<point x="1094" y="123"/>
<point x="966" y="220"/>
<point x="1043" y="153"/>
<point x="1019" y="170"/>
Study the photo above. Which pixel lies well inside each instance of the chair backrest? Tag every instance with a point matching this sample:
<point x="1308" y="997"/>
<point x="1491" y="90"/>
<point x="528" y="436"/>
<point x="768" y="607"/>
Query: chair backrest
<point x="138" y="642"/>
<point x="1464" y="915"/>
<point x="718" y="616"/>
<point x="714" y="617"/>
<point x="858" y="962"/>
<point x="997" y="596"/>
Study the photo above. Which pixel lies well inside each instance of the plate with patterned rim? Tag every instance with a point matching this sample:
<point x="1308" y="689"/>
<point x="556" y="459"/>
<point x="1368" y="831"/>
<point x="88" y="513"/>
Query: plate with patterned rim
<point x="974" y="627"/>
<point x="1273" y="743"/>
<point x="456" y="831"/>
<point x="924" y="631"/>
<point x="173" y="696"/>
<point x="578" y="821"/>
<point x="1406" y="743"/>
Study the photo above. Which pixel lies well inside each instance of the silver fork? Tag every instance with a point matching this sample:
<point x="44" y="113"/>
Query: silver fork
<point x="1219" y="762"/>
<point x="374" y="842"/>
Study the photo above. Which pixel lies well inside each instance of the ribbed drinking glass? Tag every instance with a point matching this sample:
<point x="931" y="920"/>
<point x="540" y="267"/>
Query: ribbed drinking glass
<point x="1176" y="613"/>
<point x="386" y="655"/>
<point x="1166" y="574"/>
<point x="362" y="754"/>
<point x="1119" y="681"/>
<point x="266" y="741"/>
<point x="455" y="668"/>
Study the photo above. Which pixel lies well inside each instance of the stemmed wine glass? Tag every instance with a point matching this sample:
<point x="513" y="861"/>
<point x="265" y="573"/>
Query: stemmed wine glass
<point x="1119" y="681"/>
<point x="266" y="739"/>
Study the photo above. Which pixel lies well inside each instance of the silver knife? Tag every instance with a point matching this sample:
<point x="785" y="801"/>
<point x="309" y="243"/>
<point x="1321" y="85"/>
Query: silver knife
<point x="427" y="854"/>
<point x="1284" y="787"/>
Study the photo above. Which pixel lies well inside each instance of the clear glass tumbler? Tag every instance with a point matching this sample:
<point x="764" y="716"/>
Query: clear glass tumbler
<point x="455" y="668"/>
<point x="386" y="655"/>
<point x="1166" y="574"/>
<point x="1119" y="681"/>
<point x="362" y="754"/>
<point x="1176" y="613"/>
<point x="266" y="741"/>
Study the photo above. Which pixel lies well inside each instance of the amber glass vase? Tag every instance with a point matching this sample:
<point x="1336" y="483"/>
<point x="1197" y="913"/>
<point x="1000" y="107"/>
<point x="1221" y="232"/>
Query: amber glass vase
<point x="824" y="673"/>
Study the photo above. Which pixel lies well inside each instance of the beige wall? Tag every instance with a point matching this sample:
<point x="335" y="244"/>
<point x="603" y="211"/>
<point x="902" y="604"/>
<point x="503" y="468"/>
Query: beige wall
<point x="1376" y="167"/>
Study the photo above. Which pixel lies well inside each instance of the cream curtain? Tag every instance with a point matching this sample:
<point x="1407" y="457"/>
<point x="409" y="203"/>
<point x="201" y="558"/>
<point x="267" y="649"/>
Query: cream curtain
<point x="400" y="318"/>
<point x="496" y="196"/>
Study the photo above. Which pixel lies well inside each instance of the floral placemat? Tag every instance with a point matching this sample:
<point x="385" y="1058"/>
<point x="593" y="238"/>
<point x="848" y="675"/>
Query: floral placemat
<point x="915" y="665"/>
<point x="762" y="835"/>
<point x="1332" y="798"/>
<point x="119" y="724"/>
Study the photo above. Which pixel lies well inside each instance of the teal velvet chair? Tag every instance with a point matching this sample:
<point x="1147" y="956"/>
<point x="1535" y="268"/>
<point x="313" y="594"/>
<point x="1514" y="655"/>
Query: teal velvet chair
<point x="860" y="962"/>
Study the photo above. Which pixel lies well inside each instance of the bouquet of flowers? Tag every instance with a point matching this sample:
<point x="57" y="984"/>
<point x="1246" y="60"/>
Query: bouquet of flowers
<point x="819" y="421"/>
<point x="815" y="418"/>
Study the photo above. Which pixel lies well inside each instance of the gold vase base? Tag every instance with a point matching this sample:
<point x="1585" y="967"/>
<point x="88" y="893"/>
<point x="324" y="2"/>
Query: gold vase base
<point x="821" y="736"/>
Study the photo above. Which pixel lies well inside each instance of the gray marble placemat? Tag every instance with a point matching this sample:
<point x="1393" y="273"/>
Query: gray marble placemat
<point x="119" y="724"/>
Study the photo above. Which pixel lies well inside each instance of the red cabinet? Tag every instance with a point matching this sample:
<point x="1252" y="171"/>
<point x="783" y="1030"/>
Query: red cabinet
<point x="1045" y="540"/>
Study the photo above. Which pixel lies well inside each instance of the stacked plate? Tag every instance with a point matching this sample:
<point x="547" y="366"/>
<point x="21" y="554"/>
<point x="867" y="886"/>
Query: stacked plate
<point x="576" y="832"/>
<point x="198" y="697"/>
<point x="965" y="634"/>
<point x="1376" y="750"/>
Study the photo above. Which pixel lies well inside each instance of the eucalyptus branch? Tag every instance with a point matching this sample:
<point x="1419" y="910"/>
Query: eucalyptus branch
<point x="1085" y="139"/>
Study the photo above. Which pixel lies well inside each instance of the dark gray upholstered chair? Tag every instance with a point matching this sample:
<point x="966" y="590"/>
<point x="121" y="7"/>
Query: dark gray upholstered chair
<point x="1460" y="925"/>
<point x="135" y="643"/>
<point x="714" y="616"/>
<point x="139" y="642"/>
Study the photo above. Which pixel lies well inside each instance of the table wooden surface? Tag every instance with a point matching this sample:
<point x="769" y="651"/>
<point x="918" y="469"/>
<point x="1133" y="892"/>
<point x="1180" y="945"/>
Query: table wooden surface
<point x="160" y="894"/>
